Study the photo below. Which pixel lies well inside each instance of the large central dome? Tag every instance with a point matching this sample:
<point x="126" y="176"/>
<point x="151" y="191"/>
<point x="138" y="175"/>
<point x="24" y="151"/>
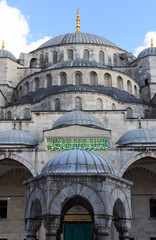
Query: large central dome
<point x="82" y="38"/>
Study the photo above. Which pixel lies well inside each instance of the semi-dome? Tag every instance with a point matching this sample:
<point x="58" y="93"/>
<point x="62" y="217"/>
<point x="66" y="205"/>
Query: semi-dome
<point x="77" y="162"/>
<point x="138" y="136"/>
<point x="17" y="137"/>
<point x="78" y="118"/>
<point x="7" y="54"/>
<point x="147" y="52"/>
<point x="82" y="38"/>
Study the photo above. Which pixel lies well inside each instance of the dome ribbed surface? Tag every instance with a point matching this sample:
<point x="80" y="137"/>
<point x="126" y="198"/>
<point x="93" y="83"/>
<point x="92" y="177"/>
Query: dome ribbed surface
<point x="78" y="118"/>
<point x="140" y="136"/>
<point x="77" y="162"/>
<point x="76" y="63"/>
<point x="17" y="137"/>
<point x="7" y="54"/>
<point x="69" y="38"/>
<point x="147" y="52"/>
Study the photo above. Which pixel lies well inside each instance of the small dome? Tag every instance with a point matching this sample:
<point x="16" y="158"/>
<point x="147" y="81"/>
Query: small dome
<point x="7" y="54"/>
<point x="78" y="118"/>
<point x="82" y="38"/>
<point x="147" y="52"/>
<point x="77" y="162"/>
<point x="17" y="137"/>
<point x="138" y="136"/>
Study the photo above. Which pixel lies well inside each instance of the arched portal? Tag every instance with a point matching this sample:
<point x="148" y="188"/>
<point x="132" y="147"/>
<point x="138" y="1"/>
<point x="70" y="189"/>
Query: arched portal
<point x="143" y="175"/>
<point x="12" y="198"/>
<point x="76" y="219"/>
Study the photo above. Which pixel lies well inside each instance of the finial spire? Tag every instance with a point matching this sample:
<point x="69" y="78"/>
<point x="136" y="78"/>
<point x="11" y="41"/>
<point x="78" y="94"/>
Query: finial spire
<point x="152" y="44"/>
<point x="3" y="47"/>
<point x="78" y="22"/>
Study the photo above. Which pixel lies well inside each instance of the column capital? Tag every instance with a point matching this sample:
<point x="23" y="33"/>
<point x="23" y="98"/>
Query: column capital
<point x="103" y="224"/>
<point x="51" y="224"/>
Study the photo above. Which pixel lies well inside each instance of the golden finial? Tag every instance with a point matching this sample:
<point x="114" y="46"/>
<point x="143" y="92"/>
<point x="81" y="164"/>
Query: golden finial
<point x="152" y="44"/>
<point x="3" y="47"/>
<point x="78" y="22"/>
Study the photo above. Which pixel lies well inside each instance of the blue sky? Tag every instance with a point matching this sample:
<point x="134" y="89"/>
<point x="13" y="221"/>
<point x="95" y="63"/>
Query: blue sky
<point x="126" y="23"/>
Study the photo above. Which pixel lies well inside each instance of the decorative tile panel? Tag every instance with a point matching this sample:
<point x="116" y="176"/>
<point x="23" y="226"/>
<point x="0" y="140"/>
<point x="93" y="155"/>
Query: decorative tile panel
<point x="66" y="144"/>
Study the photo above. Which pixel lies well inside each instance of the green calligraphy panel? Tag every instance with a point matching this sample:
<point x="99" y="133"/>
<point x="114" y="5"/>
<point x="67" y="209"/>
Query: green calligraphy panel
<point x="65" y="144"/>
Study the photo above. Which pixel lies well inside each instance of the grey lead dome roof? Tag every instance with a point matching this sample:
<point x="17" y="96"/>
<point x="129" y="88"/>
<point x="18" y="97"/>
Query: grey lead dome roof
<point x="17" y="137"/>
<point x="7" y="54"/>
<point x="70" y="38"/>
<point x="77" y="162"/>
<point x="76" y="63"/>
<point x="78" y="118"/>
<point x="137" y="136"/>
<point x="147" y="52"/>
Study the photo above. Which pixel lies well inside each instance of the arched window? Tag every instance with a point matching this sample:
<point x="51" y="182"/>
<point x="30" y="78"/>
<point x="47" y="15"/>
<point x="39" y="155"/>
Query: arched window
<point x="27" y="113"/>
<point x="99" y="104"/>
<point x="78" y="103"/>
<point x="86" y="55"/>
<point x="33" y="62"/>
<point x="78" y="78"/>
<point x="49" y="80"/>
<point x="93" y="78"/>
<point x="107" y="80"/>
<point x="46" y="59"/>
<point x="36" y="82"/>
<point x="101" y="57"/>
<point x="129" y="113"/>
<point x="55" y="57"/>
<point x="129" y="86"/>
<point x="70" y="55"/>
<point x="57" y="104"/>
<point x="26" y="87"/>
<point x="63" y="78"/>
<point x="41" y="60"/>
<point x="119" y="83"/>
<point x="135" y="91"/>
<point x="8" y="116"/>
<point x="115" y="59"/>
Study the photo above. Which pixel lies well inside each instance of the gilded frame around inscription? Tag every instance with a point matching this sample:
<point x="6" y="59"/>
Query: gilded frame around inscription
<point x="66" y="144"/>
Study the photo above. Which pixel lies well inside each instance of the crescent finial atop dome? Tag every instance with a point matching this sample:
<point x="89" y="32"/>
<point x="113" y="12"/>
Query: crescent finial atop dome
<point x="152" y="44"/>
<point x="3" y="47"/>
<point x="78" y="22"/>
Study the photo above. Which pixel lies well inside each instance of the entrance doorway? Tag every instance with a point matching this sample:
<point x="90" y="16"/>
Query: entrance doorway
<point x="77" y="231"/>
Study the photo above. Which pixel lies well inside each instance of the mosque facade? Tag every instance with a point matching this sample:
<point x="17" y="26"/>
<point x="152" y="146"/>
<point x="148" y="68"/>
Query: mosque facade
<point x="78" y="141"/>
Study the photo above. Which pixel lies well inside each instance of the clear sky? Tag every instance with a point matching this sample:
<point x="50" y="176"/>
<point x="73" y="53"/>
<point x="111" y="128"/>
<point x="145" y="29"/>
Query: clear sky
<point x="129" y="24"/>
